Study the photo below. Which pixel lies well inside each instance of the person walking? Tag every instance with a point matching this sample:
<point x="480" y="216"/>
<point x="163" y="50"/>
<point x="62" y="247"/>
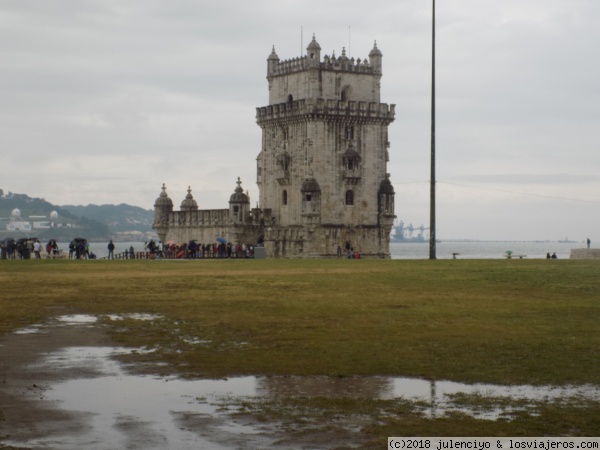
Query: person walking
<point x="111" y="250"/>
<point x="589" y="243"/>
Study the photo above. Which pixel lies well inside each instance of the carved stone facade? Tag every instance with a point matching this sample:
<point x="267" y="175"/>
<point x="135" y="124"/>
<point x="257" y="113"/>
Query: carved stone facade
<point x="322" y="169"/>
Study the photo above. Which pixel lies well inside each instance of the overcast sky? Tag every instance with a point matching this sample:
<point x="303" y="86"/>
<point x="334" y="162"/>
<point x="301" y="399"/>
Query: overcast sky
<point x="101" y="101"/>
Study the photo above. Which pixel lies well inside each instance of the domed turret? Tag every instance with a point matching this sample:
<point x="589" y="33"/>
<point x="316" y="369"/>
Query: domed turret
<point x="163" y="206"/>
<point x="386" y="197"/>
<point x="386" y="187"/>
<point x="238" y="195"/>
<point x="272" y="61"/>
<point x="16" y="213"/>
<point x="163" y="199"/>
<point x="313" y="51"/>
<point x="239" y="204"/>
<point x="375" y="57"/>
<point x="189" y="204"/>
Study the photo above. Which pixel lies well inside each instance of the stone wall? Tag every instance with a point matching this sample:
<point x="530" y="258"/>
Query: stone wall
<point x="585" y="253"/>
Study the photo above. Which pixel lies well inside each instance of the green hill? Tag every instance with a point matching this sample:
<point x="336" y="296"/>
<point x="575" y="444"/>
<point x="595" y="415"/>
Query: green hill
<point x="118" y="218"/>
<point x="21" y="215"/>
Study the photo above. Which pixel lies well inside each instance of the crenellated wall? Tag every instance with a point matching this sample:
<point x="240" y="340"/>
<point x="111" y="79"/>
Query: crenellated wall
<point x="294" y="65"/>
<point x="328" y="107"/>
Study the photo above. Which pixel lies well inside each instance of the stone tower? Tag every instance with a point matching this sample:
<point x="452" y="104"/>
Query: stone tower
<point x="322" y="170"/>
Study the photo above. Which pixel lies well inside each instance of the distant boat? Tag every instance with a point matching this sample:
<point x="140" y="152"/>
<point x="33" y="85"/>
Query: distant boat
<point x="566" y="241"/>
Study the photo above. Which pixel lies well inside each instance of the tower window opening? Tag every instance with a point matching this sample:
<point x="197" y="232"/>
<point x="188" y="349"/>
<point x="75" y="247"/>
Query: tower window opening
<point x="349" y="198"/>
<point x="349" y="132"/>
<point x="308" y="197"/>
<point x="345" y="95"/>
<point x="283" y="161"/>
<point x="290" y="98"/>
<point x="284" y="197"/>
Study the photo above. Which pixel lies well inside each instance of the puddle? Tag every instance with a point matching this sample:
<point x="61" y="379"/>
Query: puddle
<point x="130" y="411"/>
<point x="438" y="395"/>
<point x="28" y="330"/>
<point x="195" y="341"/>
<point x="85" y="319"/>
<point x="77" y="319"/>
<point x="135" y="316"/>
<point x="116" y="409"/>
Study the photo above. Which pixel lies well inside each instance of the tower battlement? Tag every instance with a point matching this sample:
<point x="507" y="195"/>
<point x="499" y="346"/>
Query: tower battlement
<point x="328" y="107"/>
<point x="342" y="64"/>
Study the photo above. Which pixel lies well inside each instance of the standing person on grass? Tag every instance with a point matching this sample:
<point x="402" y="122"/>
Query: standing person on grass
<point x="36" y="249"/>
<point x="111" y="250"/>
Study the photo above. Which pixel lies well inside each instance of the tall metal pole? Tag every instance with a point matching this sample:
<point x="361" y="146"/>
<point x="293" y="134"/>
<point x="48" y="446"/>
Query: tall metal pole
<point x="432" y="252"/>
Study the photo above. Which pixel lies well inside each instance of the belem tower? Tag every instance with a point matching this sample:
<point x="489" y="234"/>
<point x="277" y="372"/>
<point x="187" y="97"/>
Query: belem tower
<point x="322" y="169"/>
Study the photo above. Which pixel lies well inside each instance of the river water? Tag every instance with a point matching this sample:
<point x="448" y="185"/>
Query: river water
<point x="484" y="249"/>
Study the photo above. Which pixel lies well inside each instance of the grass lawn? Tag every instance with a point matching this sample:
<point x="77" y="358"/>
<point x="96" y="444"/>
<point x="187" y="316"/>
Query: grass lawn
<point x="496" y="321"/>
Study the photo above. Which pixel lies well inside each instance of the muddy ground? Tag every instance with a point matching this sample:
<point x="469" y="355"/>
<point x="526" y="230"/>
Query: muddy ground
<point x="31" y="419"/>
<point x="25" y="414"/>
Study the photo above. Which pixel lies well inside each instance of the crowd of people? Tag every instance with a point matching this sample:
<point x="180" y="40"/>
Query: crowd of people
<point x="79" y="248"/>
<point x="25" y="248"/>
<point x="196" y="250"/>
<point x="28" y="248"/>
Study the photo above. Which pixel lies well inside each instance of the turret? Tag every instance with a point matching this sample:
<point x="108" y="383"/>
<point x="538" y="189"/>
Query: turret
<point x="272" y="62"/>
<point x="239" y="204"/>
<point x="163" y="206"/>
<point x="313" y="53"/>
<point x="386" y="198"/>
<point x="375" y="58"/>
<point x="189" y="204"/>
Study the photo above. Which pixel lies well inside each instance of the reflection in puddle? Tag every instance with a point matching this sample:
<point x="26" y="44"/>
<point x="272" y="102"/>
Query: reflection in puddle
<point x="28" y="330"/>
<point x="122" y="410"/>
<point x="131" y="411"/>
<point x="86" y="319"/>
<point x="77" y="319"/>
<point x="135" y="316"/>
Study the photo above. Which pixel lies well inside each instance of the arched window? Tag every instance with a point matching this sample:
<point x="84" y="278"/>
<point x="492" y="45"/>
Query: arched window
<point x="284" y="197"/>
<point x="290" y="98"/>
<point x="349" y="198"/>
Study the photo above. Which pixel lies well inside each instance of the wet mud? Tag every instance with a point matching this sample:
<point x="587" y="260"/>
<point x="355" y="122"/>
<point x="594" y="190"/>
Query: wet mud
<point x="62" y="386"/>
